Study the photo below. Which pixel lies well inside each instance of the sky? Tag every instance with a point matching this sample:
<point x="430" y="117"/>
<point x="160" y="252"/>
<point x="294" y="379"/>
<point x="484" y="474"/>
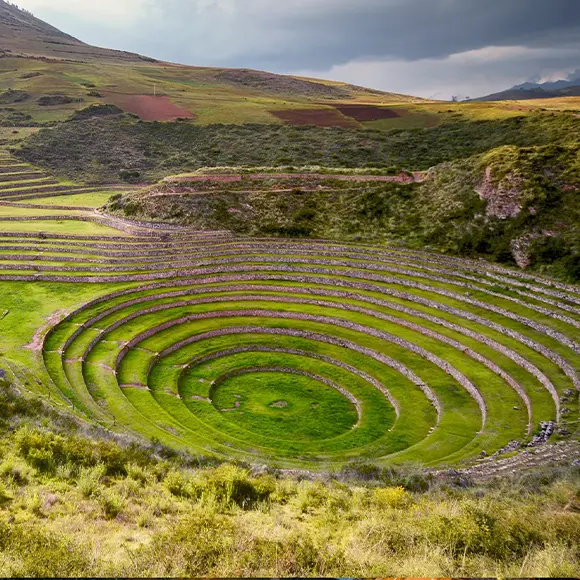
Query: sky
<point x="428" y="48"/>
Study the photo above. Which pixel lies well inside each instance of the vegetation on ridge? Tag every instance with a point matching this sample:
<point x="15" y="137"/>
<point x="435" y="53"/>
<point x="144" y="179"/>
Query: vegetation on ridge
<point x="99" y="149"/>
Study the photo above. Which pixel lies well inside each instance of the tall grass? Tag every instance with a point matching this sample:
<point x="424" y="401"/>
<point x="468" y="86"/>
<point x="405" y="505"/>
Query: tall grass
<point x="65" y="512"/>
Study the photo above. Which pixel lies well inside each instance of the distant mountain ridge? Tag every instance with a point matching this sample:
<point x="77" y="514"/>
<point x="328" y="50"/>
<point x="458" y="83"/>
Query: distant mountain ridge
<point x="573" y="80"/>
<point x="532" y="90"/>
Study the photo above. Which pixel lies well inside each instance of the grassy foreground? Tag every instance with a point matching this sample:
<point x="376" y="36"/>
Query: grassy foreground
<point x="76" y="502"/>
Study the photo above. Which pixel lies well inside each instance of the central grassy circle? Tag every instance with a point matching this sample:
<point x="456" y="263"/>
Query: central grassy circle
<point x="284" y="406"/>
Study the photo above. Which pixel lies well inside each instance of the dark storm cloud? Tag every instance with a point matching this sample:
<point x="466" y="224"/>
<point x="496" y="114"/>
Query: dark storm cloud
<point x="316" y="34"/>
<point x="423" y="47"/>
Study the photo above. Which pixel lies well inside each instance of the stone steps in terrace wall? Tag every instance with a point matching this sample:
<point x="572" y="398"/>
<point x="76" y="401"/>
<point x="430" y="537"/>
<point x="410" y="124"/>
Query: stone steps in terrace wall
<point x="339" y="306"/>
<point x="21" y="176"/>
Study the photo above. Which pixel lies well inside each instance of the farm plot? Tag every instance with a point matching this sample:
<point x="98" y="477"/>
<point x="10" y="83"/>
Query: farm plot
<point x="308" y="354"/>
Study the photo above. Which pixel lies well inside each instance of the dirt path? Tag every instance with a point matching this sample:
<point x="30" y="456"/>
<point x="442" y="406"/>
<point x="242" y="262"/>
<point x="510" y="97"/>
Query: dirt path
<point x="38" y="340"/>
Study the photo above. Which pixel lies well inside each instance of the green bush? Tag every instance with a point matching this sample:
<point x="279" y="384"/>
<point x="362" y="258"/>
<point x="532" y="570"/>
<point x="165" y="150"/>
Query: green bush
<point x="228" y="485"/>
<point x="111" y="503"/>
<point x="89" y="480"/>
<point x="45" y="450"/>
<point x="28" y="551"/>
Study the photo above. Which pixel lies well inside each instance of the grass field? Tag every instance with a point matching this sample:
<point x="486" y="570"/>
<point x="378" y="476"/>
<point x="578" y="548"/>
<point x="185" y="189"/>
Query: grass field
<point x="175" y="350"/>
<point x="299" y="353"/>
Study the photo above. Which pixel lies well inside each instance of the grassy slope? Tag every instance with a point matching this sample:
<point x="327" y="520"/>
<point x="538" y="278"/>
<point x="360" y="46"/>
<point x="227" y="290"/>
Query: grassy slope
<point x="202" y="91"/>
<point x="73" y="506"/>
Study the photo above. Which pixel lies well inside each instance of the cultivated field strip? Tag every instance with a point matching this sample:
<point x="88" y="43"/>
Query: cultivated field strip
<point x="306" y="353"/>
<point x="20" y="182"/>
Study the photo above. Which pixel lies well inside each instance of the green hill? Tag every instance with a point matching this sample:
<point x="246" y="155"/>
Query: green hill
<point x="40" y="61"/>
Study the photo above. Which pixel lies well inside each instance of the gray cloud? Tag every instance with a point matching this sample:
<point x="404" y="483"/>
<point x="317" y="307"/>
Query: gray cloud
<point x="318" y="34"/>
<point x="341" y="37"/>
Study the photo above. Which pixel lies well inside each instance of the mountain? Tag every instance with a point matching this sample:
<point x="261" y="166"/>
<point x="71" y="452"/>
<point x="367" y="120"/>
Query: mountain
<point x="51" y="75"/>
<point x="573" y="80"/>
<point x="533" y="90"/>
<point x="24" y="35"/>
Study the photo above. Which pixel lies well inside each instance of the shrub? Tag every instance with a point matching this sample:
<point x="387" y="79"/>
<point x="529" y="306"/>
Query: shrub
<point x="89" y="480"/>
<point x="15" y="470"/>
<point x="129" y="176"/>
<point x="195" y="547"/>
<point x="228" y="485"/>
<point x="111" y="503"/>
<point x="5" y="495"/>
<point x="137" y="473"/>
<point x="29" y="551"/>
<point x="391" y="497"/>
<point x="179" y="484"/>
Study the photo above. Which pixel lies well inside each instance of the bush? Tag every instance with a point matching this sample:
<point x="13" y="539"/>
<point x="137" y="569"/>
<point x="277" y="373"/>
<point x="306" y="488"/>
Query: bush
<point x="228" y="485"/>
<point x="197" y="545"/>
<point x="179" y="484"/>
<point x="391" y="497"/>
<point x="89" y="480"/>
<point x="46" y="450"/>
<point x="111" y="503"/>
<point x="29" y="551"/>
<point x="129" y="176"/>
<point x="5" y="495"/>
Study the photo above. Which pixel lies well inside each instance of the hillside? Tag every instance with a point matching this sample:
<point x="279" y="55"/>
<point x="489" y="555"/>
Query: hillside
<point x="42" y="62"/>
<point x="496" y="189"/>
<point x="25" y="36"/>
<point x="74" y="505"/>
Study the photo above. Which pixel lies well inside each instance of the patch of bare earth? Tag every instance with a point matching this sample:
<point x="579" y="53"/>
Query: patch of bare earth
<point x="148" y="107"/>
<point x="364" y="113"/>
<point x="317" y="117"/>
<point x="51" y="321"/>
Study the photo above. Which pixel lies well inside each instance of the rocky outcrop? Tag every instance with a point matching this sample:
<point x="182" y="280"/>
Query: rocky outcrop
<point x="503" y="198"/>
<point x="521" y="248"/>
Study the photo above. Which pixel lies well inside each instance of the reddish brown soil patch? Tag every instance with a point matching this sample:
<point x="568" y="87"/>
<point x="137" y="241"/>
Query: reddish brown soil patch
<point x="149" y="108"/>
<point x="317" y="117"/>
<point x="364" y="113"/>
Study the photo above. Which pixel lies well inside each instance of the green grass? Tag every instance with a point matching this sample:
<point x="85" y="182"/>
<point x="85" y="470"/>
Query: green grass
<point x="61" y="227"/>
<point x="284" y="406"/>
<point x="95" y="200"/>
<point x="78" y="505"/>
<point x="7" y="211"/>
<point x="157" y="346"/>
<point x="174" y="398"/>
